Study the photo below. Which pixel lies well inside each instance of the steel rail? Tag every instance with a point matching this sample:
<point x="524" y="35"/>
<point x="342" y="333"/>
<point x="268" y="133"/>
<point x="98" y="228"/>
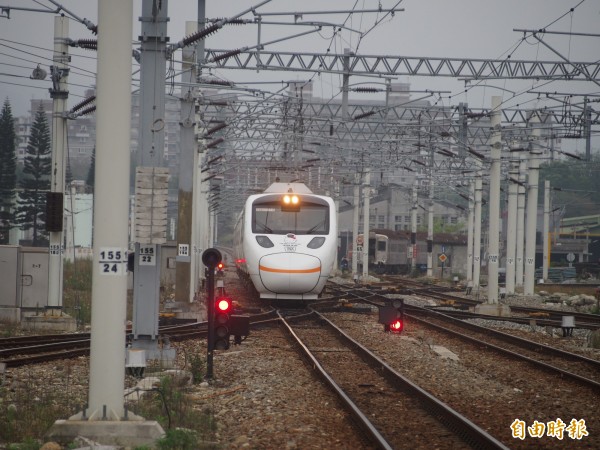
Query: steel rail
<point x="528" y="344"/>
<point x="372" y="432"/>
<point x="460" y="425"/>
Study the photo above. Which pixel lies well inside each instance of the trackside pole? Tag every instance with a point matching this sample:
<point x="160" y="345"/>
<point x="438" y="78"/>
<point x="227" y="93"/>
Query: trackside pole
<point x="494" y="202"/>
<point x="366" y="207"/>
<point x="105" y="420"/>
<point x="531" y="212"/>
<point x="59" y="94"/>
<point x="111" y="210"/>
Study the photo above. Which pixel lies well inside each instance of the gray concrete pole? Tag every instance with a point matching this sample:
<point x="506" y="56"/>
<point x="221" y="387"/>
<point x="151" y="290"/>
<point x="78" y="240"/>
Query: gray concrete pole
<point x="477" y="229"/>
<point x="345" y="83"/>
<point x="520" y="260"/>
<point x="355" y="218"/>
<point x="111" y="211"/>
<point x="146" y="295"/>
<point x="531" y="222"/>
<point x="430" y="215"/>
<point x="59" y="142"/>
<point x="413" y="230"/>
<point x="511" y="227"/>
<point x="200" y="221"/>
<point x="153" y="66"/>
<point x="587" y="128"/>
<point x="546" y="240"/>
<point x="462" y="129"/>
<point x="187" y="140"/>
<point x="470" y="234"/>
<point x="336" y="199"/>
<point x="494" y="206"/>
<point x="430" y="228"/>
<point x="366" y="214"/>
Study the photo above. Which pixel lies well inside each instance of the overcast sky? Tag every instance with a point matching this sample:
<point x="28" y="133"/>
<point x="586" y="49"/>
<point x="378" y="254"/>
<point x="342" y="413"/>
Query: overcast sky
<point x="434" y="28"/>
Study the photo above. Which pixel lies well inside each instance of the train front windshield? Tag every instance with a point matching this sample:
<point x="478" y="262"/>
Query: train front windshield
<point x="312" y="218"/>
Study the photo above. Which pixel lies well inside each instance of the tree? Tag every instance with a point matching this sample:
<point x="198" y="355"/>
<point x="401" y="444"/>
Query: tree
<point x="8" y="171"/>
<point x="575" y="185"/>
<point x="31" y="211"/>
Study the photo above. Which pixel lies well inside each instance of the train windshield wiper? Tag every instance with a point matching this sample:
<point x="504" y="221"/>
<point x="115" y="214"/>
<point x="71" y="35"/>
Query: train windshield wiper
<point x="264" y="228"/>
<point x="317" y="226"/>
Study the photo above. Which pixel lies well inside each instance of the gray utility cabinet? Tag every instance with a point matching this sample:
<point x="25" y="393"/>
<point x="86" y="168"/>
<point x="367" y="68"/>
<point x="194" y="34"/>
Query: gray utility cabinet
<point x="23" y="277"/>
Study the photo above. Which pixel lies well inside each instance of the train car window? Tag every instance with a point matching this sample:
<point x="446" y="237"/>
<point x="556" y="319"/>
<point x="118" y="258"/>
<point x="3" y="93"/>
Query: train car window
<point x="381" y="245"/>
<point x="268" y="218"/>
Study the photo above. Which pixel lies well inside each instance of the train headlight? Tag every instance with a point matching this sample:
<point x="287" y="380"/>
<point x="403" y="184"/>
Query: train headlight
<point x="290" y="202"/>
<point x="316" y="242"/>
<point x="264" y="241"/>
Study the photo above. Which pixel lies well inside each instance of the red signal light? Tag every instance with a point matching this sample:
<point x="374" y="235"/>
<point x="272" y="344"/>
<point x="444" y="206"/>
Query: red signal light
<point x="223" y="305"/>
<point x="397" y="326"/>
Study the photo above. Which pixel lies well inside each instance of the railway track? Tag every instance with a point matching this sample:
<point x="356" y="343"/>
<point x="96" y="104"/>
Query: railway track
<point x="566" y="364"/>
<point x="25" y="350"/>
<point x="520" y="314"/>
<point x="376" y="395"/>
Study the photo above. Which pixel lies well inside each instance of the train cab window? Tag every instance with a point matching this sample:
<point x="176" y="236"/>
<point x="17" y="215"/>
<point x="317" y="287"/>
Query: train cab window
<point x="268" y="218"/>
<point x="381" y="246"/>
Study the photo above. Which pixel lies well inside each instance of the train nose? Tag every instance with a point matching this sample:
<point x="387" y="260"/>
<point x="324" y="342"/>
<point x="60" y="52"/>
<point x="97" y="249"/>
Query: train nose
<point x="289" y="272"/>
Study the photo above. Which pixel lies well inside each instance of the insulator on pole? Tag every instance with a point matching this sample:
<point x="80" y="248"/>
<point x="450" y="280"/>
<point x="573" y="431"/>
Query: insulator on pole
<point x="214" y="81"/>
<point x="87" y="111"/>
<point x="214" y="143"/>
<point x="89" y="44"/>
<point x="474" y="153"/>
<point x="215" y="129"/>
<point x="363" y="115"/>
<point x="370" y="90"/>
<point x="82" y="103"/>
<point x="200" y="34"/>
<point x="227" y="55"/>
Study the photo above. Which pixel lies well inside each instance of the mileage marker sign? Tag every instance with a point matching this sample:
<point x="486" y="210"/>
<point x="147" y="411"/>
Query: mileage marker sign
<point x="113" y="261"/>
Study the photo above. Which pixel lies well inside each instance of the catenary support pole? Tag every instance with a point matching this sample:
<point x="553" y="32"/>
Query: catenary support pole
<point x="430" y="216"/>
<point x="494" y="202"/>
<point x="477" y="229"/>
<point x="185" y="196"/>
<point x="520" y="258"/>
<point x="470" y="234"/>
<point x="366" y="219"/>
<point x="546" y="239"/>
<point x="336" y="199"/>
<point x="413" y="230"/>
<point x="111" y="210"/>
<point x="511" y="226"/>
<point x="59" y="95"/>
<point x="355" y="218"/>
<point x="150" y="155"/>
<point x="535" y="155"/>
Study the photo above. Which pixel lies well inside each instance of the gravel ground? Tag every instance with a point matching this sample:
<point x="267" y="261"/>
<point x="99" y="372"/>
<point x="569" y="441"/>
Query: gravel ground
<point x="265" y="397"/>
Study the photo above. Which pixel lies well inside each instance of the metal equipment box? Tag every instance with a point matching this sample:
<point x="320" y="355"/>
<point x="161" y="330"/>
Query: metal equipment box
<point x="24" y="280"/>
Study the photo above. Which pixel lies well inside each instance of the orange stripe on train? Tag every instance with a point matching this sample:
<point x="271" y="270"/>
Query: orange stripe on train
<point x="270" y="269"/>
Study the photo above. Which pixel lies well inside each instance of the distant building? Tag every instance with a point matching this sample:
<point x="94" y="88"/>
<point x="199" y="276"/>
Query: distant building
<point x="391" y="207"/>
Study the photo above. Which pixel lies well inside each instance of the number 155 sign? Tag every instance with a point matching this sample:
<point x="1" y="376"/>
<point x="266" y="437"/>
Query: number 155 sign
<point x="113" y="261"/>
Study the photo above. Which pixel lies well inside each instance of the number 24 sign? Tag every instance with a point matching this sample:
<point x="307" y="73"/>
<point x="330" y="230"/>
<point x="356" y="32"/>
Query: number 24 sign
<point x="113" y="261"/>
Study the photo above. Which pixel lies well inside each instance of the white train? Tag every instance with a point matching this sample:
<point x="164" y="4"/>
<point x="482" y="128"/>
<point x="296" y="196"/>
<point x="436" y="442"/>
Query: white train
<point x="285" y="242"/>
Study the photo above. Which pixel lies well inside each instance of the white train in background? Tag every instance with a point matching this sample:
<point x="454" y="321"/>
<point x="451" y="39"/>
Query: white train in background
<point x="285" y="242"/>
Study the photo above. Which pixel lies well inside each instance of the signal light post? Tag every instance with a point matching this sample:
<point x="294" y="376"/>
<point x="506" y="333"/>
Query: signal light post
<point x="210" y="257"/>
<point x="223" y="308"/>
<point x="392" y="316"/>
